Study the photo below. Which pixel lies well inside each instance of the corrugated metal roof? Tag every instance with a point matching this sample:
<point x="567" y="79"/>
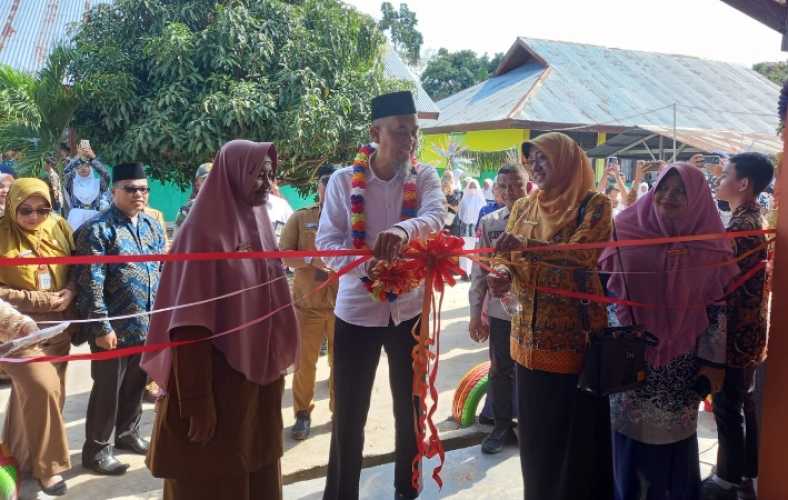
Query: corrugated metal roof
<point x="396" y="69"/>
<point x="591" y="85"/>
<point x="490" y="100"/>
<point x="724" y="140"/>
<point x="644" y="143"/>
<point x="30" y="29"/>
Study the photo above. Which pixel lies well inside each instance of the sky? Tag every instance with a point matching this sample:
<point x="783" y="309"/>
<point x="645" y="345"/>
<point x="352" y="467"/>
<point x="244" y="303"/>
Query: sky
<point x="708" y="29"/>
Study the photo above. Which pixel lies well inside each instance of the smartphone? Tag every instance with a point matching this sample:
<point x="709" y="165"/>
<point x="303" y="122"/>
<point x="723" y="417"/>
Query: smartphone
<point x="612" y="160"/>
<point x="711" y="159"/>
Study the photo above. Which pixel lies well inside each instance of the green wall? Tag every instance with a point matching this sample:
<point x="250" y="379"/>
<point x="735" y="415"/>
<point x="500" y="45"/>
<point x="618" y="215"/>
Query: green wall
<point x="296" y="201"/>
<point x="475" y="140"/>
<point x="485" y="141"/>
<point x="168" y="198"/>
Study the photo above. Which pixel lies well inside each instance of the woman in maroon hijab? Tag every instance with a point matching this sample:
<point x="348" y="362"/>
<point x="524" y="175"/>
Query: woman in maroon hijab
<point x="218" y="429"/>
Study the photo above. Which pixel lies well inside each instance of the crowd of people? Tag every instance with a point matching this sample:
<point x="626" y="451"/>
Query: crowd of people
<point x="218" y="424"/>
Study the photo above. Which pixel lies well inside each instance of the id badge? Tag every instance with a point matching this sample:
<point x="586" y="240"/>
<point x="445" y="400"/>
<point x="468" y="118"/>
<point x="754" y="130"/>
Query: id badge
<point x="44" y="279"/>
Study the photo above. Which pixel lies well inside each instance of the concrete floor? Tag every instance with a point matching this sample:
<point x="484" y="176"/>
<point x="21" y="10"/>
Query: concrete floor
<point x="467" y="473"/>
<point x="471" y="475"/>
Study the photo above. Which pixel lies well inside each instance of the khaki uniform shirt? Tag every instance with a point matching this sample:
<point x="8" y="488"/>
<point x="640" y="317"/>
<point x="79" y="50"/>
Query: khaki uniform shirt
<point x="299" y="234"/>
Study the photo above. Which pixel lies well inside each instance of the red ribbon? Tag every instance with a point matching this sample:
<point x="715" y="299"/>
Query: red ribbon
<point x="603" y="299"/>
<point x="667" y="240"/>
<point x="130" y="351"/>
<point x="437" y="259"/>
<point x="280" y="254"/>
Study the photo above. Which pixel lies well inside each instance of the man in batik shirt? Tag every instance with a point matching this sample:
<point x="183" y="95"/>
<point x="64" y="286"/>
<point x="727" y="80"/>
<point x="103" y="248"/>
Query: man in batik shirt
<point x="110" y="290"/>
<point x="745" y="176"/>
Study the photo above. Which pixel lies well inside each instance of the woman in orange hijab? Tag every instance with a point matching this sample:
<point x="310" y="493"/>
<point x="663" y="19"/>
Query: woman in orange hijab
<point x="565" y="450"/>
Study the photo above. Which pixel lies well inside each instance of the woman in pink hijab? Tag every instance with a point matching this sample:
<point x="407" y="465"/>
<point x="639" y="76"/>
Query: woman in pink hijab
<point x="218" y="428"/>
<point x="655" y="425"/>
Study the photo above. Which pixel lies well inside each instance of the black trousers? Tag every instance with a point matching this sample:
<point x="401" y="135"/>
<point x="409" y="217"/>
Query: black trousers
<point x="565" y="440"/>
<point x="737" y="426"/>
<point x="501" y="372"/>
<point x="356" y="356"/>
<point x="115" y="404"/>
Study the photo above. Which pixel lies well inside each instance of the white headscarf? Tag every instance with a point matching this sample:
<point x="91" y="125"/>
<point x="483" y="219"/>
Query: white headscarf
<point x="642" y="189"/>
<point x="489" y="194"/>
<point x="86" y="189"/>
<point x="472" y="203"/>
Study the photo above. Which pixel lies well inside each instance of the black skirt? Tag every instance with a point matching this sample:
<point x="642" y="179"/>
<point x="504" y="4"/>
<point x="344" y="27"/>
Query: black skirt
<point x="565" y="441"/>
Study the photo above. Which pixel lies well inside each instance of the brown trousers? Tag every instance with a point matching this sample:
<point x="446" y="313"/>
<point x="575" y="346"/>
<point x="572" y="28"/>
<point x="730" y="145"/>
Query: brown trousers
<point x="34" y="431"/>
<point x="315" y="325"/>
<point x="263" y="484"/>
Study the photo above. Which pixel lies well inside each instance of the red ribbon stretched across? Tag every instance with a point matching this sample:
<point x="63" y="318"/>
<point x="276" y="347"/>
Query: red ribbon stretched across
<point x="279" y="254"/>
<point x="667" y="240"/>
<point x="603" y="299"/>
<point x="130" y="351"/>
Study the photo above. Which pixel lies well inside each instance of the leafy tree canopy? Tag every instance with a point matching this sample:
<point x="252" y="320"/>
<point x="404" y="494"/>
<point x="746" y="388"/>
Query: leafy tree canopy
<point x="401" y="25"/>
<point x="450" y="72"/>
<point x="774" y="71"/>
<point x="167" y="82"/>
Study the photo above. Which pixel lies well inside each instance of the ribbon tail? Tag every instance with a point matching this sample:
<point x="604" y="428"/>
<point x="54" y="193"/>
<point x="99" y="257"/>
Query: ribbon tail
<point x="436" y="446"/>
<point x="420" y="375"/>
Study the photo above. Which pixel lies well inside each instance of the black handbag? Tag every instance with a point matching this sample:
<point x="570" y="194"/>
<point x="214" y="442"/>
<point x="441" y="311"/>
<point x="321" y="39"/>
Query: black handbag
<point x="615" y="359"/>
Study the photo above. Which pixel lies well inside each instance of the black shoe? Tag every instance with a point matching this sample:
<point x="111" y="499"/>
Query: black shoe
<point x="747" y="490"/>
<point x="133" y="443"/>
<point x="300" y="430"/>
<point x="107" y="465"/>
<point x="486" y="420"/>
<point x="709" y="490"/>
<point x="56" y="490"/>
<point x="497" y="439"/>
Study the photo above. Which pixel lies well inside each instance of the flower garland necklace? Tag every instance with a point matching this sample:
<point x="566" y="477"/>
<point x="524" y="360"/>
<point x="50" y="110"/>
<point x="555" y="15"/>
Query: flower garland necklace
<point x="358" y="217"/>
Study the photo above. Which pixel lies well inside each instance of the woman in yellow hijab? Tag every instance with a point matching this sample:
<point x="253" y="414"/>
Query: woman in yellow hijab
<point x="565" y="449"/>
<point x="34" y="429"/>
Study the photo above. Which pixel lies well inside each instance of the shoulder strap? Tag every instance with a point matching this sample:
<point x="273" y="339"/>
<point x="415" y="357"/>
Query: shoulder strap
<point x="581" y="210"/>
<point x="579" y="273"/>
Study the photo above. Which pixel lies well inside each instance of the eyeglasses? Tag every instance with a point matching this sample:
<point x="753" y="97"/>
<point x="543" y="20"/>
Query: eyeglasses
<point x="27" y="211"/>
<point x="136" y="189"/>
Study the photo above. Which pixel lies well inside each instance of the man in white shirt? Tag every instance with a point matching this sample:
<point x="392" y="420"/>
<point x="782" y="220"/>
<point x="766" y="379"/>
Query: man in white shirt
<point x="364" y="325"/>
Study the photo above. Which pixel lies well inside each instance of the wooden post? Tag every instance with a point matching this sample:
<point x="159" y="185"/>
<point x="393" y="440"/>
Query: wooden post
<point x="599" y="165"/>
<point x="773" y="477"/>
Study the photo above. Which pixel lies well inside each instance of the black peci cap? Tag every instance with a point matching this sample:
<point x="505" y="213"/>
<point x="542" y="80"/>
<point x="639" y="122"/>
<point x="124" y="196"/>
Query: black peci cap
<point x="394" y="104"/>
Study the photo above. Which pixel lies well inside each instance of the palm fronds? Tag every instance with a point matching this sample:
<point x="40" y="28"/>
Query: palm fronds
<point x="453" y="154"/>
<point x="35" y="111"/>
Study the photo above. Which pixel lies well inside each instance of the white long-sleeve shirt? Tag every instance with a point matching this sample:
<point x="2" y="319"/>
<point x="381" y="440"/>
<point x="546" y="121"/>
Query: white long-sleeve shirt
<point x="383" y="207"/>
